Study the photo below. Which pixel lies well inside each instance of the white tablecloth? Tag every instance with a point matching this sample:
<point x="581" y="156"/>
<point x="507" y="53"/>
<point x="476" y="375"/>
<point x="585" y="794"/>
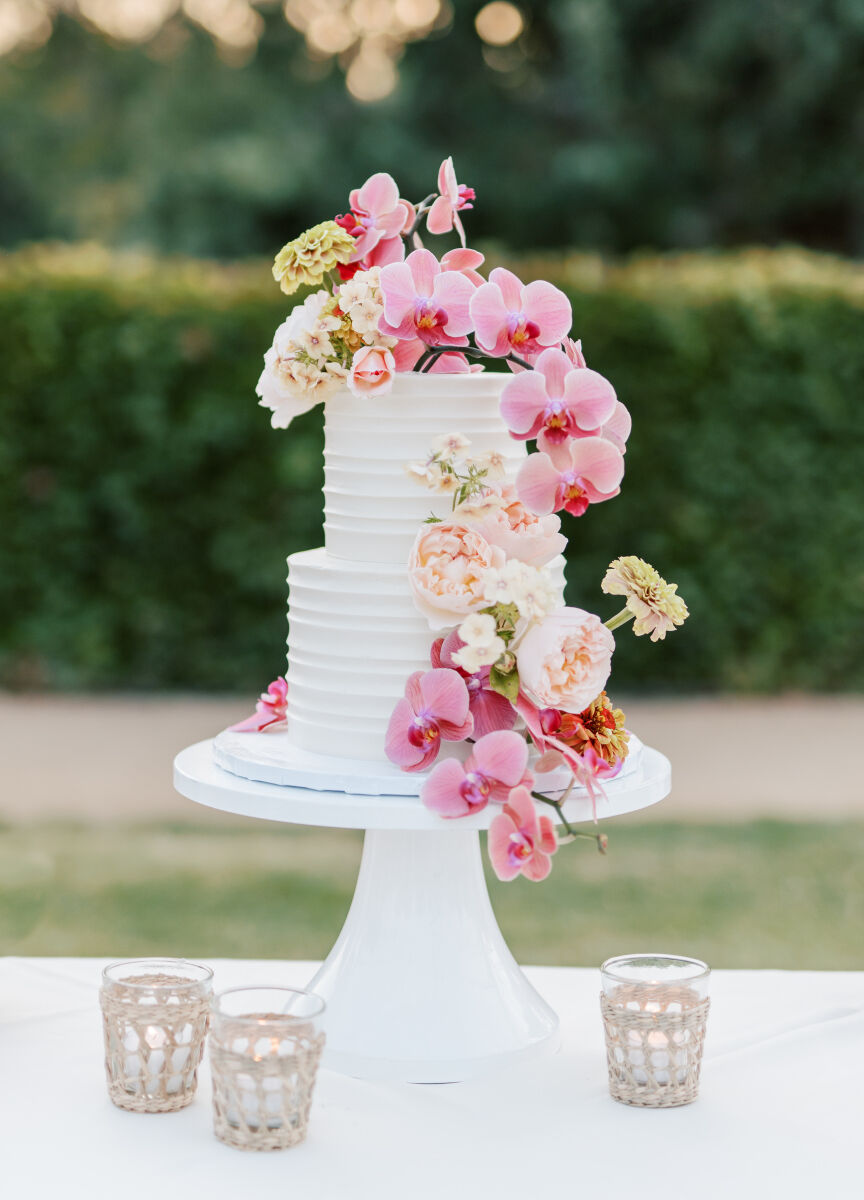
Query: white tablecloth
<point x="780" y="1115"/>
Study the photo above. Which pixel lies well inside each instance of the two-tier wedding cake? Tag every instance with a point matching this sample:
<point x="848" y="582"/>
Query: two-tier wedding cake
<point x="431" y="652"/>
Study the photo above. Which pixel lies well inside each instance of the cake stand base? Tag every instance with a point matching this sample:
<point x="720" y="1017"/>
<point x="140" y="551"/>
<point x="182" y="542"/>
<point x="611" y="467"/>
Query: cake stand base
<point x="420" y="985"/>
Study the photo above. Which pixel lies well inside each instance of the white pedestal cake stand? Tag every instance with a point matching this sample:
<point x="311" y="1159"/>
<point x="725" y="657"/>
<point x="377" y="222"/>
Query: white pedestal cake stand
<point x="420" y="985"/>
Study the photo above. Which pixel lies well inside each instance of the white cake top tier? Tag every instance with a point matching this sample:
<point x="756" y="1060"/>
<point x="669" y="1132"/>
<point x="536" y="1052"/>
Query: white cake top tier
<point x="372" y="508"/>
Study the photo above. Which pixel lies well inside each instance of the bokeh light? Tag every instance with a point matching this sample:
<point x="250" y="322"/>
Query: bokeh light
<point x="330" y="33"/>
<point x="127" y="20"/>
<point x="24" y="23"/>
<point x="366" y="37"/>
<point x="499" y="23"/>
<point x="372" y="74"/>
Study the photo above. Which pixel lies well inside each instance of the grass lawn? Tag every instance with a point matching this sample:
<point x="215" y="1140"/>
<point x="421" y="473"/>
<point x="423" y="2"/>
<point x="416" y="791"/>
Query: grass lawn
<point x="767" y="894"/>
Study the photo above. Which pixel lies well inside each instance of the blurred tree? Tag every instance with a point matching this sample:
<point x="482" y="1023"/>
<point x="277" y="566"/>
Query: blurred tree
<point x="613" y="124"/>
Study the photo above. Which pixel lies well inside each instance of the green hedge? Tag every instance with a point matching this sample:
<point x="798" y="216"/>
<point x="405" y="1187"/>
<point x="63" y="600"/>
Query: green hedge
<point x="146" y="507"/>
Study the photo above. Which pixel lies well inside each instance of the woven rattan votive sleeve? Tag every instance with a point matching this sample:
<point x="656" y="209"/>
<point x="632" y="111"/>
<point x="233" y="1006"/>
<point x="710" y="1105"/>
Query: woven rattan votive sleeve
<point x="654" y="1047"/>
<point x="154" y="1041"/>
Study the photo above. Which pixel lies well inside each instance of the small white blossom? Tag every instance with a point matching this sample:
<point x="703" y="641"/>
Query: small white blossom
<point x="301" y="318"/>
<point x="477" y="629"/>
<point x="445" y="484"/>
<point x="431" y="474"/>
<point x="529" y="588"/>
<point x="483" y="646"/>
<point x="450" y="444"/>
<point x="474" y="658"/>
<point x="364" y="285"/>
<point x="316" y="343"/>
<point x="338" y="373"/>
<point x="361" y="301"/>
<point x="422" y="472"/>
<point x="492" y="463"/>
<point x="365" y="317"/>
<point x="289" y="386"/>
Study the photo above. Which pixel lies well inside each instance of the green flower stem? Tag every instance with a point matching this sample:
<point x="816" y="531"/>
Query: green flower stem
<point x="570" y="834"/>
<point x="588" y="837"/>
<point x="422" y="209"/>
<point x="619" y="619"/>
<point x="558" y="805"/>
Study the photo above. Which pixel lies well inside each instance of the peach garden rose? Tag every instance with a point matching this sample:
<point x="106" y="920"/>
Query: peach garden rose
<point x="446" y="568"/>
<point x="564" y="662"/>
<point x="372" y="370"/>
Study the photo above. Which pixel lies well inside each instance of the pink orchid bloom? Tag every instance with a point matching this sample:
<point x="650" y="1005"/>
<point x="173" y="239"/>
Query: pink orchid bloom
<point x="466" y="261"/>
<point x="520" y="841"/>
<point x="271" y="709"/>
<point x="435" y="708"/>
<point x="422" y="301"/>
<point x="583" y="471"/>
<point x="556" y="401"/>
<point x="547" y="728"/>
<point x="452" y="198"/>
<point x="489" y="709"/>
<point x="514" y="318"/>
<point x="377" y="220"/>
<point x="617" y="429"/>
<point x="573" y="350"/>
<point x="497" y="764"/>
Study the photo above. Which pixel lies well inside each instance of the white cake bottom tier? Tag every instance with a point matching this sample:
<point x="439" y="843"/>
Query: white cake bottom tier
<point x="355" y="637"/>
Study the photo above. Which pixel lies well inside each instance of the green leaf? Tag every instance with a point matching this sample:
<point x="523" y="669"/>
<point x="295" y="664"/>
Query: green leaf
<point x="506" y="684"/>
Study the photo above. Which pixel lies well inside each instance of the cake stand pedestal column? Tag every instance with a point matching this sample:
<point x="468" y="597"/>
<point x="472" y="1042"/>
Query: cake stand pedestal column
<point x="420" y="985"/>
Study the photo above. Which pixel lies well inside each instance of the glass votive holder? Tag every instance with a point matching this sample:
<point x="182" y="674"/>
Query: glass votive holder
<point x="655" y="1008"/>
<point x="265" y="1047"/>
<point x="155" y="1013"/>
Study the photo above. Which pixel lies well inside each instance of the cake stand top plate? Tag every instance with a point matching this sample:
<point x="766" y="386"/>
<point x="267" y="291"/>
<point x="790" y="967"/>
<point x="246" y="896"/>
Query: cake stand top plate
<point x="197" y="777"/>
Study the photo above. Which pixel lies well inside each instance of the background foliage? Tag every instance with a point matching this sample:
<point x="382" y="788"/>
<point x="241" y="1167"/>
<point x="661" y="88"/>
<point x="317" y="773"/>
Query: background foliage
<point x="610" y="124"/>
<point x="153" y="506"/>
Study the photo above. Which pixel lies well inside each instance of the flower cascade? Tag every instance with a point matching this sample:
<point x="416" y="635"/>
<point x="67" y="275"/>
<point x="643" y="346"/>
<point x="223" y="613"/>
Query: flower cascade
<point x="384" y="303"/>
<point x="517" y="680"/>
<point x="526" y="669"/>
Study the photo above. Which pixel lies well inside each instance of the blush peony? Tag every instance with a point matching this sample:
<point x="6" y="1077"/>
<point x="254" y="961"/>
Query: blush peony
<point x="446" y="570"/>
<point x="565" y="661"/>
<point x="510" y="525"/>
